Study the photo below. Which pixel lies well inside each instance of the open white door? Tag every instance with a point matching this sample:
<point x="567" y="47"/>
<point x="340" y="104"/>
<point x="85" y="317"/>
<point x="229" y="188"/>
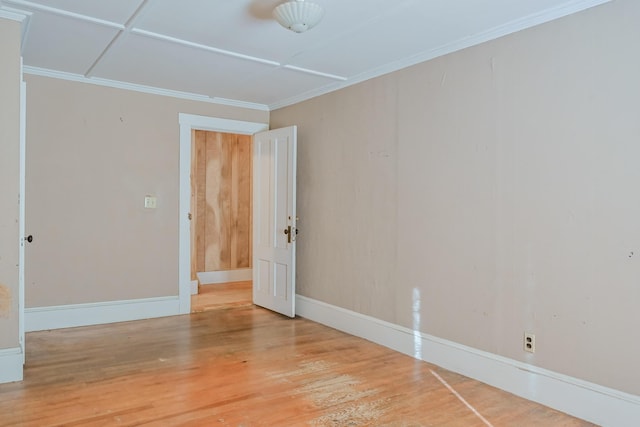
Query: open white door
<point x="274" y="220"/>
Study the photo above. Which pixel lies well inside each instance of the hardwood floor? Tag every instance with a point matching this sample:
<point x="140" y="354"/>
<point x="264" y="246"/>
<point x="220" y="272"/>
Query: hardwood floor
<point x="244" y="366"/>
<point x="223" y="295"/>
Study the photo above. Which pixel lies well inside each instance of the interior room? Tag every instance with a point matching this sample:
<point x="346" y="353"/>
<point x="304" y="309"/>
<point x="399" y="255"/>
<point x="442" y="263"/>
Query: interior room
<point x="464" y="209"/>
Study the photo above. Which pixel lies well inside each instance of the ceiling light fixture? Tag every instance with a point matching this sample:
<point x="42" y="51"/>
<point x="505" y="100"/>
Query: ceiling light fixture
<point x="298" y="15"/>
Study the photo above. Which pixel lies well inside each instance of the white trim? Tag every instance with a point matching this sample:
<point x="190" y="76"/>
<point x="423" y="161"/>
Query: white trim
<point x="21" y="215"/>
<point x="187" y="123"/>
<point x="26" y="24"/>
<point x="219" y="125"/>
<point x="65" y="13"/>
<point x="207" y="48"/>
<point x="69" y="316"/>
<point x="116" y="40"/>
<point x="315" y="73"/>
<point x="592" y="402"/>
<point x="203" y="47"/>
<point x="463" y="43"/>
<point x="10" y="365"/>
<point x="44" y="72"/>
<point x="194" y="287"/>
<point x="13" y="14"/>
<point x="213" y="277"/>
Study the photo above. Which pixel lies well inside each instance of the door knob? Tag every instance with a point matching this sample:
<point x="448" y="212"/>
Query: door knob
<point x="287" y="231"/>
<point x="29" y="238"/>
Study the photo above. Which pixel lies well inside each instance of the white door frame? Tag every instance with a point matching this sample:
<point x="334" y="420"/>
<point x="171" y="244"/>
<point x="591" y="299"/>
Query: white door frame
<point x="188" y="122"/>
<point x="22" y="214"/>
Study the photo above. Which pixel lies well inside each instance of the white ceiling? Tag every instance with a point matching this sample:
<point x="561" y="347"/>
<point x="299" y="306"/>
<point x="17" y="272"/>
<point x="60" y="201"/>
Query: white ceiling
<point x="234" y="52"/>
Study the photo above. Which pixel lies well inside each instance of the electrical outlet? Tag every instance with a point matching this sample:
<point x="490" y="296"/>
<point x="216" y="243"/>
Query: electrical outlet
<point x="529" y="342"/>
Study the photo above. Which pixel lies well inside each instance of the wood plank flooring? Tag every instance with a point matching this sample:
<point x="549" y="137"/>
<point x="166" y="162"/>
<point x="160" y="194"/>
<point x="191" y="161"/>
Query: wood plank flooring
<point x="223" y="295"/>
<point x="244" y="366"/>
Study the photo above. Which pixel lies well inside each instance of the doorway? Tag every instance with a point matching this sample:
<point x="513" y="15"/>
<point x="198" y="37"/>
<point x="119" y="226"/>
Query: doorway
<point x="189" y="123"/>
<point x="222" y="295"/>
<point x="221" y="208"/>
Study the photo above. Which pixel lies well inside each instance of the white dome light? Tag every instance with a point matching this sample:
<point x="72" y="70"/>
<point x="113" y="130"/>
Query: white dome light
<point x="298" y="15"/>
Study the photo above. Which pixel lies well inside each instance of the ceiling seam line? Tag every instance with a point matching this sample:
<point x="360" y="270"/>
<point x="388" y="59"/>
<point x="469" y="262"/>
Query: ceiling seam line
<point x="207" y="48"/>
<point x="204" y="47"/>
<point x="104" y="52"/>
<point x="126" y="28"/>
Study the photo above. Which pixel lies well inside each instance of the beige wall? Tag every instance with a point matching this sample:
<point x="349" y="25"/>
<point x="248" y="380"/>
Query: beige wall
<point x="498" y="185"/>
<point x="93" y="153"/>
<point x="9" y="180"/>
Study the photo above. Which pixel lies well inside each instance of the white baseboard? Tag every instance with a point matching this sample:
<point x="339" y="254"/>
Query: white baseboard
<point x="194" y="287"/>
<point x="10" y="365"/>
<point x="582" y="399"/>
<point x="69" y="316"/>
<point x="211" y="277"/>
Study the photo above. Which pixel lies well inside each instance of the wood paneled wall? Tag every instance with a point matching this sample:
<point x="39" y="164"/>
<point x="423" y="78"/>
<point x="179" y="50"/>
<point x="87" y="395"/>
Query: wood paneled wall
<point x="220" y="201"/>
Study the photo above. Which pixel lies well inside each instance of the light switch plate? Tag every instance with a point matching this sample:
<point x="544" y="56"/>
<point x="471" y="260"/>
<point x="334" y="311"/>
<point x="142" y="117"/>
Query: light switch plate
<point x="150" y="202"/>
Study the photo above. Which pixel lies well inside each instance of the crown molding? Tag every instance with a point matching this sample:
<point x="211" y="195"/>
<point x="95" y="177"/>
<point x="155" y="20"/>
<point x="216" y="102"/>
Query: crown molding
<point x="463" y="43"/>
<point x="65" y="13"/>
<point x="44" y="72"/>
<point x="240" y="104"/>
<point x="314" y="72"/>
<point x="13" y="14"/>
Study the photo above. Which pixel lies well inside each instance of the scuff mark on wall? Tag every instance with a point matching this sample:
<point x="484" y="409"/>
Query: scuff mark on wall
<point x="5" y="301"/>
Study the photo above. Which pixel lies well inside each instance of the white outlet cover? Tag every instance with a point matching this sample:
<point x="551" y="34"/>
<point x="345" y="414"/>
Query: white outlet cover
<point x="529" y="342"/>
<point x="150" y="202"/>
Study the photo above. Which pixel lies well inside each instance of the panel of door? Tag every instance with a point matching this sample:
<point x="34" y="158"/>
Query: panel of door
<point x="274" y="219"/>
